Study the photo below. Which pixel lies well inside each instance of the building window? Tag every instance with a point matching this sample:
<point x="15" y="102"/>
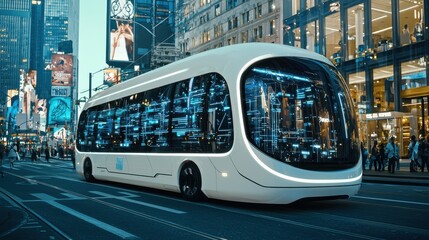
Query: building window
<point x="260" y="32"/>
<point x="413" y="73"/>
<point x="333" y="37"/>
<point x="355" y="44"/>
<point x="244" y="37"/>
<point x="309" y="3"/>
<point x="381" y="13"/>
<point x="217" y="10"/>
<point x="271" y="6"/>
<point x="245" y="17"/>
<point x="272" y="27"/>
<point x="411" y="14"/>
<point x="383" y="90"/>
<point x="218" y="30"/>
<point x="312" y="33"/>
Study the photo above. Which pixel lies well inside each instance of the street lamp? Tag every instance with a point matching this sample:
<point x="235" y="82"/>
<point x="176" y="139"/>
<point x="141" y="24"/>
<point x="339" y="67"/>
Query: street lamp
<point x="90" y="81"/>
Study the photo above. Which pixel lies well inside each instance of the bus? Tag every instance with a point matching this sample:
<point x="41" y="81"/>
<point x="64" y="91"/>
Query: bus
<point x="253" y="122"/>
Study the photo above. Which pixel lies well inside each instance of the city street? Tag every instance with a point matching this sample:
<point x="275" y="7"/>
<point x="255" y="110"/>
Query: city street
<point x="49" y="201"/>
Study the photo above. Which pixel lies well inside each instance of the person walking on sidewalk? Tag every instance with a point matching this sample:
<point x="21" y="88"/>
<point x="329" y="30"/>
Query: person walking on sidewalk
<point x="425" y="153"/>
<point x="373" y="160"/>
<point x="13" y="154"/>
<point x="382" y="157"/>
<point x="413" y="150"/>
<point x="47" y="153"/>
<point x="1" y="159"/>
<point x="392" y="152"/>
<point x="33" y="153"/>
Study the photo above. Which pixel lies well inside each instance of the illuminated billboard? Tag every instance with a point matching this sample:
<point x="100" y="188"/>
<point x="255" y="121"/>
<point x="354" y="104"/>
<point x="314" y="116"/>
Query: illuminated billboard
<point x="120" y="34"/>
<point x="62" y="70"/>
<point x="112" y="76"/>
<point x="60" y="110"/>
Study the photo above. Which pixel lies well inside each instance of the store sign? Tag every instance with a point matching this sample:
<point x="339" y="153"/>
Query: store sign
<point x="57" y="91"/>
<point x="379" y="115"/>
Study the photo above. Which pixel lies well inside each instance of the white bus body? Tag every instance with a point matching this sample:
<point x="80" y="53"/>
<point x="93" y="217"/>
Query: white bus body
<point x="263" y="146"/>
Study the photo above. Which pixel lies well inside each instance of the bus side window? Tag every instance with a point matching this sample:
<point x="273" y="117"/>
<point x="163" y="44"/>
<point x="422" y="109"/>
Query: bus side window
<point x="219" y="120"/>
<point x="155" y="120"/>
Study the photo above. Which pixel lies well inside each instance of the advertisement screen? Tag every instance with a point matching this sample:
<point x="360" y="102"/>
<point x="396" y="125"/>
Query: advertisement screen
<point x="60" y="110"/>
<point x="120" y="32"/>
<point x="111" y="76"/>
<point x="62" y="70"/>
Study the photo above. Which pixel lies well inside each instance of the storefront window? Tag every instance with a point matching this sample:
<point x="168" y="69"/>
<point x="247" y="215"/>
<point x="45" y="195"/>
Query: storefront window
<point x="355" y="36"/>
<point x="381" y="13"/>
<point x="312" y="32"/>
<point x="383" y="90"/>
<point x="333" y="37"/>
<point x="411" y="20"/>
<point x="297" y="37"/>
<point x="357" y="88"/>
<point x="413" y="74"/>
<point x="309" y="3"/>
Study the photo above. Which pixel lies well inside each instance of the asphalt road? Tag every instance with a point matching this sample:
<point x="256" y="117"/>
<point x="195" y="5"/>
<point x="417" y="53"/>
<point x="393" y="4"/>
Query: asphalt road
<point x="49" y="201"/>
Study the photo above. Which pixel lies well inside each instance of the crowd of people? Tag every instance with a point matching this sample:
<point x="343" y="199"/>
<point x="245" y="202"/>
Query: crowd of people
<point x="14" y="153"/>
<point x="382" y="155"/>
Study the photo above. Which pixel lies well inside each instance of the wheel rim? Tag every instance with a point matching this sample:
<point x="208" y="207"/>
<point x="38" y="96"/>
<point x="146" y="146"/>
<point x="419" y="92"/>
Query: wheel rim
<point x="190" y="182"/>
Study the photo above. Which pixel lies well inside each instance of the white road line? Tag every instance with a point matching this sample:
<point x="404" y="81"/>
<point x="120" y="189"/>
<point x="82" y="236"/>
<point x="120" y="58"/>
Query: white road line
<point x="114" y="230"/>
<point x="138" y="202"/>
<point x="392" y="200"/>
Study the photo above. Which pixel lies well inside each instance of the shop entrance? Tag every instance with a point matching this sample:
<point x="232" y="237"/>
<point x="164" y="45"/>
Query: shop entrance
<point x="382" y="126"/>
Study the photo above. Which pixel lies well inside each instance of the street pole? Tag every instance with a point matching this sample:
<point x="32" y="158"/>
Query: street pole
<point x="90" y="84"/>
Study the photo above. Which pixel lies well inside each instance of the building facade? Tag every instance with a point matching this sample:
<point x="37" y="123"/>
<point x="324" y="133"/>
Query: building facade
<point x="207" y="24"/>
<point x="15" y="24"/>
<point x="381" y="47"/>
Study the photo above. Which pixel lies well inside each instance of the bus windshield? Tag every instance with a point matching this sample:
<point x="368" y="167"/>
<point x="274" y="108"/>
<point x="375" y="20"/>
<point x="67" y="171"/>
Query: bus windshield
<point x="299" y="111"/>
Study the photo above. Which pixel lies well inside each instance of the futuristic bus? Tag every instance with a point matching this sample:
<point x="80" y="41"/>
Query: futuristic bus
<point x="254" y="122"/>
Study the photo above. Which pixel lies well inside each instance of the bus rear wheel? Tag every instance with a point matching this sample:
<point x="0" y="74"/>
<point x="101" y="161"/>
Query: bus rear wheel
<point x="87" y="171"/>
<point x="190" y="182"/>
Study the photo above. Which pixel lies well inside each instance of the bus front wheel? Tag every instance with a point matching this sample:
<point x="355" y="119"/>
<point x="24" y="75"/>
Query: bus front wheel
<point x="190" y="182"/>
<point x="87" y="171"/>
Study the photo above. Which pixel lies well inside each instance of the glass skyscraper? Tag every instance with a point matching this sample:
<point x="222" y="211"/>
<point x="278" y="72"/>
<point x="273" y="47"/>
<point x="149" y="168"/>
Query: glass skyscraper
<point x="15" y="23"/>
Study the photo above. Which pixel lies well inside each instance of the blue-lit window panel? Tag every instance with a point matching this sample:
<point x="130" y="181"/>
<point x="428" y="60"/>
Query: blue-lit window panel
<point x="155" y="120"/>
<point x="89" y="139"/>
<point x="219" y="116"/>
<point x="105" y="128"/>
<point x="188" y="115"/>
<point x="122" y="129"/>
<point x="298" y="111"/>
<point x="81" y="129"/>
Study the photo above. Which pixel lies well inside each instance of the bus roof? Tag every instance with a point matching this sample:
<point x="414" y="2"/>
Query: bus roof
<point x="224" y="60"/>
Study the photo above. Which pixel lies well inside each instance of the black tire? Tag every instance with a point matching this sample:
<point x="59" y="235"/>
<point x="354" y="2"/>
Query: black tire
<point x="87" y="171"/>
<point x="190" y="182"/>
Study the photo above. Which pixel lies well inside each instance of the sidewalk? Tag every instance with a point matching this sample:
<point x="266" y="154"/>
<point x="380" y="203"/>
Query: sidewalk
<point x="402" y="176"/>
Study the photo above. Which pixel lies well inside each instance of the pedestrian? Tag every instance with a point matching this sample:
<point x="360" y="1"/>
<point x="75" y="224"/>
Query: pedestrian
<point x="392" y="152"/>
<point x="373" y="160"/>
<point x="72" y="155"/>
<point x="425" y="153"/>
<point x="413" y="149"/>
<point x="47" y="154"/>
<point x="13" y="155"/>
<point x="2" y="150"/>
<point x="364" y="153"/>
<point x="382" y="157"/>
<point x="1" y="159"/>
<point x="33" y="155"/>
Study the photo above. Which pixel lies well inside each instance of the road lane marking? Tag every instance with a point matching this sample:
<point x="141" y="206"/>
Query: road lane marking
<point x="392" y="200"/>
<point x="114" y="230"/>
<point x="138" y="202"/>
